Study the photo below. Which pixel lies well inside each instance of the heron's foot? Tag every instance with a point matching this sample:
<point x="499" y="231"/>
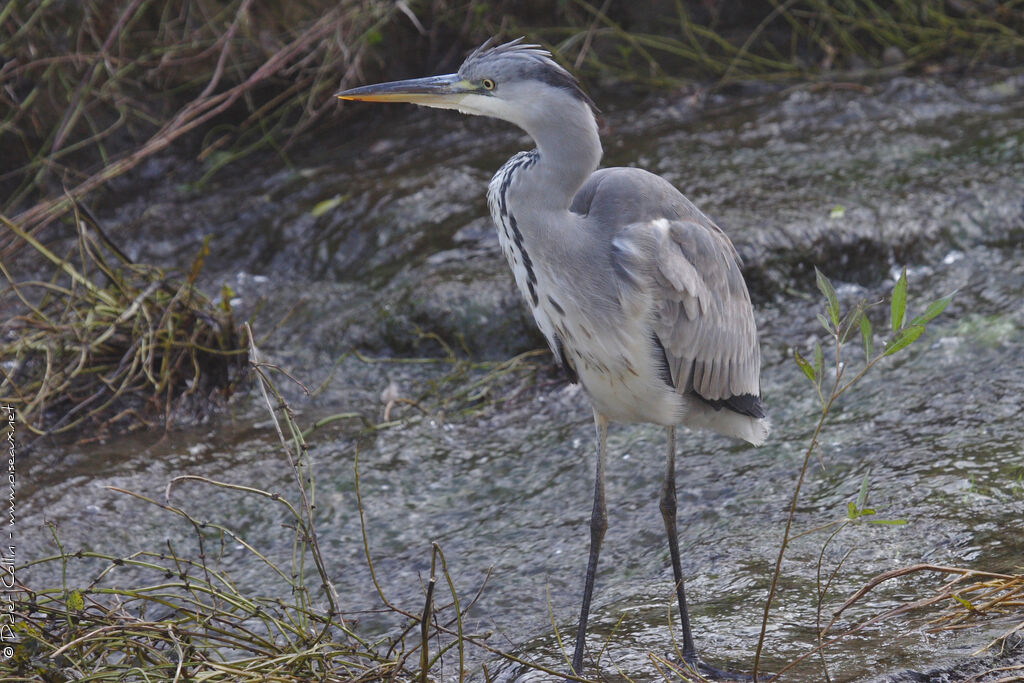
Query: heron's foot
<point x="712" y="673"/>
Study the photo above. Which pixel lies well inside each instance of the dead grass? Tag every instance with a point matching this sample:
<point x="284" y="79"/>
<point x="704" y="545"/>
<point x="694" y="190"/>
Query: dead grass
<point x="111" y="343"/>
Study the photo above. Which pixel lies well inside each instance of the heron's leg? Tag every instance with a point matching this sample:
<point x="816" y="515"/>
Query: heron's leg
<point x="668" y="513"/>
<point x="598" y="525"/>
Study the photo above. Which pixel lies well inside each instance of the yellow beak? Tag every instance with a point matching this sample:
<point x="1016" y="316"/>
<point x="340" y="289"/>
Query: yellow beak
<point x="437" y="91"/>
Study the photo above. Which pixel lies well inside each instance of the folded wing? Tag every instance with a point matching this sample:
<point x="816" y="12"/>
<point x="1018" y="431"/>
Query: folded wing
<point x="702" y="316"/>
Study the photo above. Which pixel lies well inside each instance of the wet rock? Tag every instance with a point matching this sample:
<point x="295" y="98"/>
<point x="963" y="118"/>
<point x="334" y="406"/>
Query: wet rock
<point x="990" y="666"/>
<point x="469" y="301"/>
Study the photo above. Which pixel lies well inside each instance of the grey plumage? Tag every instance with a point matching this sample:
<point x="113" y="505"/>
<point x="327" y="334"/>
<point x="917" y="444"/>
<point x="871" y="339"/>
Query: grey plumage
<point x="638" y="293"/>
<point x="666" y="249"/>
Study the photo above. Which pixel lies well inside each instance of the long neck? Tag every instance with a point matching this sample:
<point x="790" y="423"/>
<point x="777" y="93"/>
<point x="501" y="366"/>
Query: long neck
<point x="570" y="150"/>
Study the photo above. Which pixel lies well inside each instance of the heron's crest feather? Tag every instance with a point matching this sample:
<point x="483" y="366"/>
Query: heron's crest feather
<point x="517" y="59"/>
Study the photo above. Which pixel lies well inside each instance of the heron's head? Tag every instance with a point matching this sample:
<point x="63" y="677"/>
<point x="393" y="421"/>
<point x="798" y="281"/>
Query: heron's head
<point x="516" y="82"/>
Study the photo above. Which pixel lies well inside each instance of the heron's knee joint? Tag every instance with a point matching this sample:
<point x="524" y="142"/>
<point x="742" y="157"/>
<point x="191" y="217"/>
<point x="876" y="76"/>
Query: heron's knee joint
<point x="668" y="504"/>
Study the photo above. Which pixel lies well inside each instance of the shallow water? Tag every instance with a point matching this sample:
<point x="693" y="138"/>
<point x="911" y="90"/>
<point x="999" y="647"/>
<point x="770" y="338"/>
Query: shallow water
<point x="927" y="175"/>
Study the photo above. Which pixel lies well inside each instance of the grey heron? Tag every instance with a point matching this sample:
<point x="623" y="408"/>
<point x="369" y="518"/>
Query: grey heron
<point x="638" y="293"/>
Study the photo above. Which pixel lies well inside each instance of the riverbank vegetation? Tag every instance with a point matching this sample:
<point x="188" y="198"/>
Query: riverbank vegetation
<point x="90" y="91"/>
<point x="112" y="344"/>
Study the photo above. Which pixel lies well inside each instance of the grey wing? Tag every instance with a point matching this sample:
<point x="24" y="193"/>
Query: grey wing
<point x="703" y="318"/>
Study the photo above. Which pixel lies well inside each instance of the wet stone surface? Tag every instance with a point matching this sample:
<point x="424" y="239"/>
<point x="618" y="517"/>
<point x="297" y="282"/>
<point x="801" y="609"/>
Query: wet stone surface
<point x="376" y="237"/>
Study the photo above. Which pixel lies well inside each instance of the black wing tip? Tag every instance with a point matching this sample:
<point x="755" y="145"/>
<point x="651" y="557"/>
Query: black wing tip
<point x="744" y="404"/>
<point x="661" y="357"/>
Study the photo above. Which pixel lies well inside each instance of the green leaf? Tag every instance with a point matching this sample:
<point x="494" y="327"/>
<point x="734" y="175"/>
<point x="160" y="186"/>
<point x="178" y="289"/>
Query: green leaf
<point x="966" y="603"/>
<point x="830" y="295"/>
<point x="837" y="212"/>
<point x="866" y="336"/>
<point x="851" y="321"/>
<point x="862" y="495"/>
<point x="804" y="365"/>
<point x="851" y="510"/>
<point x="226" y="295"/>
<point x="890" y="522"/>
<point x="904" y="338"/>
<point x="898" y="305"/>
<point x="819" y="362"/>
<point x="326" y="205"/>
<point x="75" y="601"/>
<point x="934" y="309"/>
<point x="824" y="323"/>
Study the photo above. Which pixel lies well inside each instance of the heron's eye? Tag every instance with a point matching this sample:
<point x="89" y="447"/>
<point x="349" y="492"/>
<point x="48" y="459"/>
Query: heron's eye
<point x="488" y="84"/>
